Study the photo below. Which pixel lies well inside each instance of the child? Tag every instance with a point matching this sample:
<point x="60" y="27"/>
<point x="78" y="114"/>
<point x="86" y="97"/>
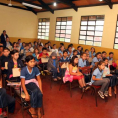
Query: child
<point x="104" y="55"/>
<point x="5" y="58"/>
<point x="70" y="52"/>
<point x="61" y="44"/>
<point x="23" y="46"/>
<point x="53" y="66"/>
<point x="32" y="86"/>
<point x="113" y="78"/>
<point x="31" y="48"/>
<point x="18" y="46"/>
<point x="96" y="59"/>
<point x="39" y="42"/>
<point x="15" y="46"/>
<point x="26" y="50"/>
<point x="14" y="63"/>
<point x="63" y="60"/>
<point x="35" y="55"/>
<point x="35" y="44"/>
<point x="19" y="42"/>
<point x="92" y="52"/>
<point x="110" y="56"/>
<point x="99" y="81"/>
<point x="82" y="61"/>
<point x="54" y="49"/>
<point x="40" y="48"/>
<point x="74" y="53"/>
<point x="86" y="51"/>
<point x="61" y="51"/>
<point x="46" y="46"/>
<point x="72" y="47"/>
<point x="49" y="45"/>
<point x="87" y="61"/>
<point x="79" y="49"/>
<point x="73" y="73"/>
<point x="8" y="43"/>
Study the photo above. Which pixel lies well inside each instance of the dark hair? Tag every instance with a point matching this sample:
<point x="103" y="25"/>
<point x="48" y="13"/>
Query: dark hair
<point x="4" y="30"/>
<point x="14" y="51"/>
<point x="86" y="50"/>
<point x="36" y="49"/>
<point x="98" y="64"/>
<point x="78" y="47"/>
<point x="83" y="53"/>
<point x="105" y="59"/>
<point x="19" y="39"/>
<point x="97" y="54"/>
<point x="65" y="51"/>
<point x="44" y="49"/>
<point x="72" y="61"/>
<point x="28" y="58"/>
<point x="74" y="51"/>
<point x="69" y="46"/>
<point x="62" y="44"/>
<point x="35" y="42"/>
<point x="39" y="45"/>
<point x="54" y="45"/>
<point x="111" y="53"/>
<point x="13" y="44"/>
<point x="23" y="42"/>
<point x="93" y="48"/>
<point x="48" y="42"/>
<point x="103" y="52"/>
<point x="7" y="49"/>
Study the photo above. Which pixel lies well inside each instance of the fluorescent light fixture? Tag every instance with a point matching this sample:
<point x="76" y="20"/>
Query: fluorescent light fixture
<point x="55" y="4"/>
<point x="30" y="5"/>
<point x="100" y="0"/>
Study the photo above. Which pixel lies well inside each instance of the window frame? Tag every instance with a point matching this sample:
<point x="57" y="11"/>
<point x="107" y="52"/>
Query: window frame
<point x="91" y="30"/>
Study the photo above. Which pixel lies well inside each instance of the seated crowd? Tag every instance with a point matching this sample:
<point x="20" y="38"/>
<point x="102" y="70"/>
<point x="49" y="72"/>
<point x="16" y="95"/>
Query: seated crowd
<point x="29" y="58"/>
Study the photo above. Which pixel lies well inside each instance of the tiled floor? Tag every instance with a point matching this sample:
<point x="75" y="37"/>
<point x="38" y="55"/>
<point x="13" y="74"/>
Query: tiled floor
<point x="59" y="104"/>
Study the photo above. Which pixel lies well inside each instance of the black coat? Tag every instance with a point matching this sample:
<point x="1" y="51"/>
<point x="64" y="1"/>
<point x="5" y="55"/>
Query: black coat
<point x="3" y="41"/>
<point x="11" y="65"/>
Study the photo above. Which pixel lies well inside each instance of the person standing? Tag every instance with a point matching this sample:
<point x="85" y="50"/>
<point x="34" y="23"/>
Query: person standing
<point x="4" y="36"/>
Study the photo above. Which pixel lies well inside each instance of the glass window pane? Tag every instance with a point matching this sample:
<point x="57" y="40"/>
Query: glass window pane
<point x="43" y="26"/>
<point x="47" y="23"/>
<point x="83" y="27"/>
<point x="47" y="27"/>
<point x="64" y="19"/>
<point x="98" y="33"/>
<point x="116" y="46"/>
<point x="97" y="38"/>
<point x="47" y="34"/>
<point x="90" y="32"/>
<point x="63" y="27"/>
<point x="39" y="26"/>
<point x="82" y="37"/>
<point x="43" y="34"/>
<point x="58" y="19"/>
<point x="99" y="22"/>
<point x="39" y="23"/>
<point x="100" y="17"/>
<point x="57" y="35"/>
<point x="46" y="37"/>
<point x="43" y="30"/>
<point x="47" y="30"/>
<point x="57" y="27"/>
<point x="43" y="23"/>
<point x="43" y="37"/>
<point x="91" y="28"/>
<point x="68" y="36"/>
<point x="39" y="30"/>
<point x="62" y="39"/>
<point x="63" y="31"/>
<point x="91" y="22"/>
<point x="89" y="37"/>
<point x="63" y="23"/>
<point x="67" y="40"/>
<point x="84" y="18"/>
<point x="69" y="22"/>
<point x="69" y="18"/>
<point x="57" y="39"/>
<point x="62" y="35"/>
<point x="116" y="34"/>
<point x="92" y="17"/>
<point x="116" y="40"/>
<point x="58" y="23"/>
<point x="68" y="31"/>
<point x="83" y="22"/>
<point x="99" y="28"/>
<point x="81" y="42"/>
<point x="39" y="33"/>
<point x="68" y="27"/>
<point x="89" y="42"/>
<point x="83" y="32"/>
<point x="57" y="31"/>
<point x="117" y="23"/>
<point x="97" y="43"/>
<point x="117" y="29"/>
<point x="39" y="37"/>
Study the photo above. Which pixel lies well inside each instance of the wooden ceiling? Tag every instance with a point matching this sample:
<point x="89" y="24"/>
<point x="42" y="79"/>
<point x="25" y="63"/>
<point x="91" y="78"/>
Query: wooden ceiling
<point x="47" y="5"/>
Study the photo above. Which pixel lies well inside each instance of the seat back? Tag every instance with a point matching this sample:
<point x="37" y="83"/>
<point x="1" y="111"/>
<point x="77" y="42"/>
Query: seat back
<point x="86" y="70"/>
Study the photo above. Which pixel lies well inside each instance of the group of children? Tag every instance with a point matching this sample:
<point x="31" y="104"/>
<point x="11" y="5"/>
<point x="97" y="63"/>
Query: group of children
<point x="75" y="60"/>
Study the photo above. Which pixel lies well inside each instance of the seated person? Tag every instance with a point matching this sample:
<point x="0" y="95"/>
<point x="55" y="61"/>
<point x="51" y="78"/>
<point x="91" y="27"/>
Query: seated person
<point x="61" y="51"/>
<point x="19" y="42"/>
<point x="87" y="61"/>
<point x="49" y="45"/>
<point x="8" y="43"/>
<point x="18" y="46"/>
<point x="40" y="47"/>
<point x="35" y="55"/>
<point x="70" y="52"/>
<point x="26" y="50"/>
<point x="92" y="52"/>
<point x="53" y="66"/>
<point x="32" y="86"/>
<point x="35" y="44"/>
<point x="31" y="48"/>
<point x="79" y="49"/>
<point x="86" y="51"/>
<point x="46" y="46"/>
<point x="61" y="44"/>
<point x="54" y="49"/>
<point x="23" y="46"/>
<point x="39" y="42"/>
<point x="104" y="55"/>
<point x="72" y="47"/>
<point x="110" y="56"/>
<point x="1" y="52"/>
<point x="15" y="46"/>
<point x="74" y="53"/>
<point x="14" y="63"/>
<point x="96" y="59"/>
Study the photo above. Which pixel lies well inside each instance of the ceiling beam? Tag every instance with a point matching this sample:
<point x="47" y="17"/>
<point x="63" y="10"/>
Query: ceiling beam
<point x="44" y="5"/>
<point x="68" y="2"/>
<point x="109" y="2"/>
<point x="13" y="6"/>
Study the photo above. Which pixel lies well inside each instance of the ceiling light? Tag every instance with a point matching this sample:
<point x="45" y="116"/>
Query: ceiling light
<point x="100" y="0"/>
<point x="54" y="4"/>
<point x="30" y="5"/>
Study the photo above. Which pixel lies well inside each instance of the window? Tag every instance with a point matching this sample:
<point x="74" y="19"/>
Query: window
<point x="91" y="30"/>
<point x="63" y="29"/>
<point x="43" y="28"/>
<point x="116" y="36"/>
